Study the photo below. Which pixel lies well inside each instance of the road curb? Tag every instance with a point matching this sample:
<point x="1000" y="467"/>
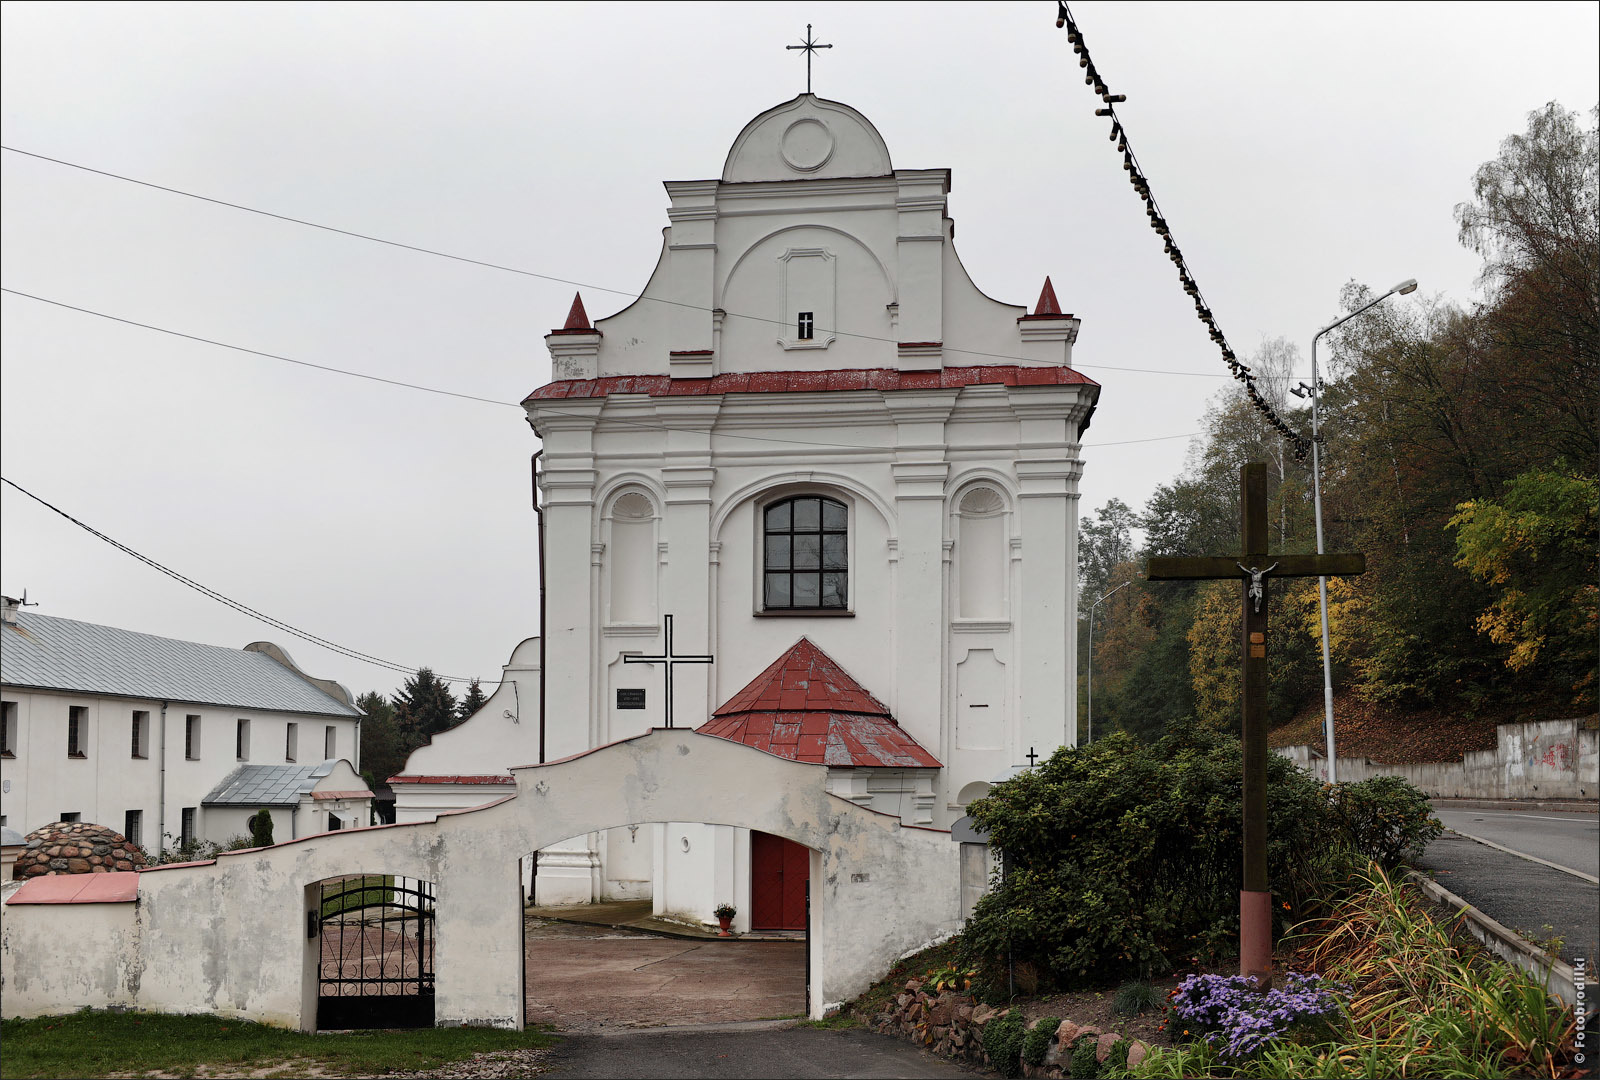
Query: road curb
<point x="1570" y="806"/>
<point x="1557" y="975"/>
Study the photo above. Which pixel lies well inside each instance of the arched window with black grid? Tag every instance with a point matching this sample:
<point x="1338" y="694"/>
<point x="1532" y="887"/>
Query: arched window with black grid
<point x="806" y="563"/>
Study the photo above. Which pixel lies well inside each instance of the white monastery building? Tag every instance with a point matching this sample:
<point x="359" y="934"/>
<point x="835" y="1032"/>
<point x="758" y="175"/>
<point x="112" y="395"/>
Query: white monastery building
<point x="167" y="741"/>
<point x="814" y="452"/>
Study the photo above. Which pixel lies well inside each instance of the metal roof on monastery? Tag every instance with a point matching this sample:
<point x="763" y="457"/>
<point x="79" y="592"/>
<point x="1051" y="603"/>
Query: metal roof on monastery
<point x="769" y="382"/>
<point x="805" y="707"/>
<point x="48" y="653"/>
<point x="271" y="785"/>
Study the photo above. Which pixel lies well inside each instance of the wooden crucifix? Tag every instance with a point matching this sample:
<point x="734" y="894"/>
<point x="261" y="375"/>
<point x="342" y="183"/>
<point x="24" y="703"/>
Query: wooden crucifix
<point x="1254" y="566"/>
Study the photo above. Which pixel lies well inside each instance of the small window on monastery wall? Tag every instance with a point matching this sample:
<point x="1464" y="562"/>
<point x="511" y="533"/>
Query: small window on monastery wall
<point x="806" y="554"/>
<point x="191" y="737"/>
<point x="8" y="729"/>
<point x="631" y="561"/>
<point x="330" y="743"/>
<point x="139" y="741"/>
<point x="70" y="815"/>
<point x="186" y="826"/>
<point x="77" y="731"/>
<point x="133" y="827"/>
<point x="241" y="740"/>
<point x="291" y="742"/>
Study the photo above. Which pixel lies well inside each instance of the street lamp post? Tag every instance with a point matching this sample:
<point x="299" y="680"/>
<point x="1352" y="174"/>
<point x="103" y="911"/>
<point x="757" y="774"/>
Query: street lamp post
<point x="1097" y="603"/>
<point x="1314" y="391"/>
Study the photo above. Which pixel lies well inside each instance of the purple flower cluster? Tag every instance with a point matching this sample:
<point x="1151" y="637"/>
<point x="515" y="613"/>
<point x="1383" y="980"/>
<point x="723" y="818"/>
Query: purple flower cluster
<point x="1239" y="1020"/>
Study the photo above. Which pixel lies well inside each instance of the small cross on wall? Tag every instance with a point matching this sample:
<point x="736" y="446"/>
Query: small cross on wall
<point x="1032" y="757"/>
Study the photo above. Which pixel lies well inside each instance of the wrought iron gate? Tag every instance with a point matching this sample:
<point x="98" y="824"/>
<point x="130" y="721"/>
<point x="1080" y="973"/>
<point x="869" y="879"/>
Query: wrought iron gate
<point x="376" y="961"/>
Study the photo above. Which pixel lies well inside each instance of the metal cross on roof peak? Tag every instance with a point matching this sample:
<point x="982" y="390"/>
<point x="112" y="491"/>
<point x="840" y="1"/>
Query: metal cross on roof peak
<point x="809" y="44"/>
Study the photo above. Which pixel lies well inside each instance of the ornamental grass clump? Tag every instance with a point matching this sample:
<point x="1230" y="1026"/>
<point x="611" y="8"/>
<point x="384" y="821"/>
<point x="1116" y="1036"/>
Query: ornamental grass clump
<point x="1240" y="1021"/>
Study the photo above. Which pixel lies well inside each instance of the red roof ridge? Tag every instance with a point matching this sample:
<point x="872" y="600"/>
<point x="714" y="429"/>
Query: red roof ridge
<point x="833" y="379"/>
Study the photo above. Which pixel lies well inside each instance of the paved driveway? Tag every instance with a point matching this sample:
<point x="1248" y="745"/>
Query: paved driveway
<point x="588" y="978"/>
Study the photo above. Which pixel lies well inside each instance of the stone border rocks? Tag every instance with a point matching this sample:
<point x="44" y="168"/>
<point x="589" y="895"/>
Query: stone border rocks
<point x="952" y="1024"/>
<point x="75" y="847"/>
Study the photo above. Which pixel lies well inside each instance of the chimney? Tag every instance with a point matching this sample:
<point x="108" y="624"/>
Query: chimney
<point x="8" y="610"/>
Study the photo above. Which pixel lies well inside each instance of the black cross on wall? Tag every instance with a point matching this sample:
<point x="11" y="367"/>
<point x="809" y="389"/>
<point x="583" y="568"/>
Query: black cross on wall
<point x="671" y="661"/>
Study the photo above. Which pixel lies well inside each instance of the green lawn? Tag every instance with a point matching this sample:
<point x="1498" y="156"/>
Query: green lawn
<point x="368" y="890"/>
<point x="130" y="1044"/>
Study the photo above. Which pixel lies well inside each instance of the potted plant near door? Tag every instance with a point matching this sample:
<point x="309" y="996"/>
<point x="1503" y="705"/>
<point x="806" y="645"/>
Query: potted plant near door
<point x="725" y="914"/>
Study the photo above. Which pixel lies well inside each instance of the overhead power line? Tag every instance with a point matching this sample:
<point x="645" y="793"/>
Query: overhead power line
<point x="212" y="594"/>
<point x="542" y="276"/>
<point x="1158" y="221"/>
<point x="451" y="393"/>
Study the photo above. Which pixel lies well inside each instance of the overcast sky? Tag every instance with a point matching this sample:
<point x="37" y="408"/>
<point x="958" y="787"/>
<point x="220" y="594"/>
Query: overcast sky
<point x="1293" y="147"/>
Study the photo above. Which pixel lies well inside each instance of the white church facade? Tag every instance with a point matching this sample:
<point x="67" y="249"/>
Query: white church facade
<point x="848" y="476"/>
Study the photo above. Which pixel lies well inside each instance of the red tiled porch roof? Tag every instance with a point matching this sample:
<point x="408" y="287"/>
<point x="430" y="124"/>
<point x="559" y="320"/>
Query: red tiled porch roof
<point x="805" y="707"/>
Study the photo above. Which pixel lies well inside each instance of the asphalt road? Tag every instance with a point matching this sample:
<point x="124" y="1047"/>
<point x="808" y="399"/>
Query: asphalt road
<point x="803" y="1053"/>
<point x="1534" y="900"/>
<point x="1571" y="840"/>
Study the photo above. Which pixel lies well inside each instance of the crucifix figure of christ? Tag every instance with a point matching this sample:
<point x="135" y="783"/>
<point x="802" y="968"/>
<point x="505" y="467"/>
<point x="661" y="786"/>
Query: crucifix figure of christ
<point x="1254" y="567"/>
<point x="671" y="661"/>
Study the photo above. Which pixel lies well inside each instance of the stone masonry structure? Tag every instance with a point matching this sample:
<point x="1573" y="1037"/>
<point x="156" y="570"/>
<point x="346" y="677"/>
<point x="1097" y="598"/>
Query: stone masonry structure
<point x="75" y="847"/>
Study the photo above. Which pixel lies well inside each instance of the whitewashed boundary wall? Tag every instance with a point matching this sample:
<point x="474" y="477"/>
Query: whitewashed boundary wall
<point x="1545" y="759"/>
<point x="230" y="936"/>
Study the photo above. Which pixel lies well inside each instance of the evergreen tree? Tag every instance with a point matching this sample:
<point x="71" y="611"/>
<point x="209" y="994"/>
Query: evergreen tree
<point x="383" y="751"/>
<point x="260" y="824"/>
<point x="471" y="701"/>
<point x="424" y="706"/>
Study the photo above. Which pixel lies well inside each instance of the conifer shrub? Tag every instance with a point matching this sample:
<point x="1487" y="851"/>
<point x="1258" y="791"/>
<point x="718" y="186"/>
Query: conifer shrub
<point x="260" y="824"/>
<point x="1036" y="1043"/>
<point x="1002" y="1039"/>
<point x="1084" y="1065"/>
<point x="1122" y="859"/>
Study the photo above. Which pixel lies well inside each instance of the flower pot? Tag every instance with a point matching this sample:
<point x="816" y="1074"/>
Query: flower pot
<point x="724" y="921"/>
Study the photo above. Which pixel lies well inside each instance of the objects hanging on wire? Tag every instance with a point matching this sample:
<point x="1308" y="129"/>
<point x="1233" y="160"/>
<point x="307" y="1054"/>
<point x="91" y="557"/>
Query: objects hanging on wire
<point x="1130" y="164"/>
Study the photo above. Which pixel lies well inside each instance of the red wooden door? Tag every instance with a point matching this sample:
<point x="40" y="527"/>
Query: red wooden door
<point x="779" y="870"/>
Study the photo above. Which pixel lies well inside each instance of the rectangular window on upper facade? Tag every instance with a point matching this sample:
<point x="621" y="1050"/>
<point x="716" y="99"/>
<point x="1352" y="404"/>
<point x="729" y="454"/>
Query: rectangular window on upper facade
<point x="191" y="737"/>
<point x="77" y="731"/>
<point x="805" y="329"/>
<point x="241" y="739"/>
<point x="186" y="827"/>
<point x="140" y="747"/>
<point x="8" y="729"/>
<point x="291" y="742"/>
<point x="330" y="743"/>
<point x="133" y="827"/>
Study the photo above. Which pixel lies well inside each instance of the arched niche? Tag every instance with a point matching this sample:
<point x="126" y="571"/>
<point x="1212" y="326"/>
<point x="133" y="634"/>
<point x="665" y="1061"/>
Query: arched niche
<point x="629" y="528"/>
<point x="981" y="534"/>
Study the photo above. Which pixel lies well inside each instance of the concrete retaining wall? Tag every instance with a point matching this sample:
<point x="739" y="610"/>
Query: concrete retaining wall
<point x="1546" y="759"/>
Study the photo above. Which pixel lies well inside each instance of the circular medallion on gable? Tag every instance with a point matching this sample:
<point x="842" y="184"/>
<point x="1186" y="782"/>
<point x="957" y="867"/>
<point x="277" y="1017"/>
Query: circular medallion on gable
<point x="807" y="144"/>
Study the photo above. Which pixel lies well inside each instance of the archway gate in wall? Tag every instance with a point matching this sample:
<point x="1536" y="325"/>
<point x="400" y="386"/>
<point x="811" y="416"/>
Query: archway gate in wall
<point x="214" y="937"/>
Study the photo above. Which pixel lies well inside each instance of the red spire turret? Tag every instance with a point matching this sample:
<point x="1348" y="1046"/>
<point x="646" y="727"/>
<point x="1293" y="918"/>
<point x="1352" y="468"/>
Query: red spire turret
<point x="578" y="319"/>
<point x="1047" y="305"/>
